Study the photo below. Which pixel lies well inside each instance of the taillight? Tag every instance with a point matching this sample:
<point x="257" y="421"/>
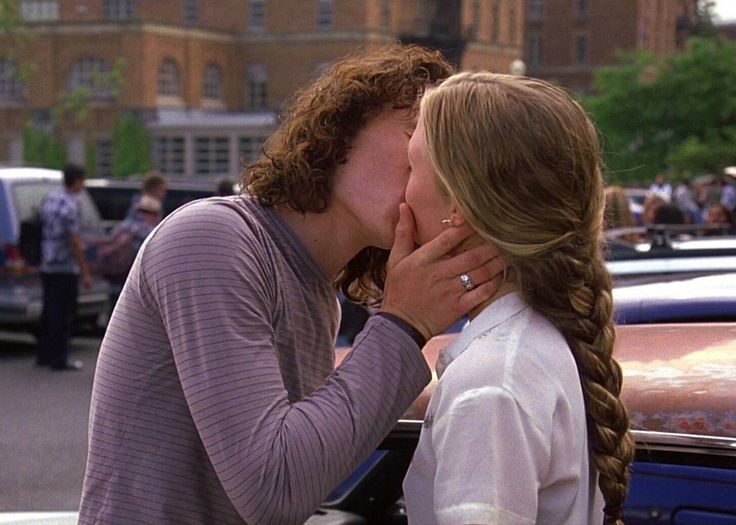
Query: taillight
<point x="14" y="262"/>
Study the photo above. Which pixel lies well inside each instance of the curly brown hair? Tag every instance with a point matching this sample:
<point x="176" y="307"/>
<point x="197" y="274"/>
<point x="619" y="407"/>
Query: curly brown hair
<point x="317" y="129"/>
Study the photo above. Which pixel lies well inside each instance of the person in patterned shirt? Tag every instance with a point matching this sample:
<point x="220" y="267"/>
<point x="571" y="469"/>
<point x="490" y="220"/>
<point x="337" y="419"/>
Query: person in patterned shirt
<point x="62" y="265"/>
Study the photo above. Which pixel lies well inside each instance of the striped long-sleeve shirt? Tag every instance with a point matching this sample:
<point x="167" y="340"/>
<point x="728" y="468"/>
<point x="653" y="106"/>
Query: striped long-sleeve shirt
<point x="214" y="398"/>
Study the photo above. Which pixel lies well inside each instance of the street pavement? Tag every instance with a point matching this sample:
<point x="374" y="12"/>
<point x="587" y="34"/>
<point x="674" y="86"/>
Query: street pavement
<point x="43" y="426"/>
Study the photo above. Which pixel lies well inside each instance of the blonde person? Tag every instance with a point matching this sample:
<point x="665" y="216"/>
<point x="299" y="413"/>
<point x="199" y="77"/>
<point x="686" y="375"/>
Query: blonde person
<point x="618" y="213"/>
<point x="526" y="425"/>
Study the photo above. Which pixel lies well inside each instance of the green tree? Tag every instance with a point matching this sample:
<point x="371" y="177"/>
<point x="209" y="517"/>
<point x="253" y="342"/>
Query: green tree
<point x="677" y="113"/>
<point x="130" y="147"/>
<point x="41" y="149"/>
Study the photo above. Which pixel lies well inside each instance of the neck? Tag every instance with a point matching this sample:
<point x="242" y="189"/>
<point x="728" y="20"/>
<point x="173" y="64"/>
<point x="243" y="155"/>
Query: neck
<point x="504" y="289"/>
<point x="325" y="237"/>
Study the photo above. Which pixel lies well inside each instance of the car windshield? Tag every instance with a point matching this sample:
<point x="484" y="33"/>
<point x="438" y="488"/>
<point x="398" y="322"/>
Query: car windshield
<point x="28" y="197"/>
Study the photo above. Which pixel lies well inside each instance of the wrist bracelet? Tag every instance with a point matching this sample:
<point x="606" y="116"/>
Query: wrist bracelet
<point x="415" y="334"/>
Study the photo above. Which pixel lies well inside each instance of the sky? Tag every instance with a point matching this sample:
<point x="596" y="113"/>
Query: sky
<point x="725" y="9"/>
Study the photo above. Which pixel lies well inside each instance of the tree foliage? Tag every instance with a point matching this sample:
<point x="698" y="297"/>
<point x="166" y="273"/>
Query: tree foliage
<point x="41" y="149"/>
<point x="130" y="147"/>
<point x="676" y="114"/>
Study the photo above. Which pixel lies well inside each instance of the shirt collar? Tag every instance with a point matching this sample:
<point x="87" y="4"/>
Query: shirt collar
<point x="496" y="313"/>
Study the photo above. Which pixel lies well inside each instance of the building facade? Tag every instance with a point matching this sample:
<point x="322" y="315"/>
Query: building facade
<point x="567" y="40"/>
<point x="207" y="79"/>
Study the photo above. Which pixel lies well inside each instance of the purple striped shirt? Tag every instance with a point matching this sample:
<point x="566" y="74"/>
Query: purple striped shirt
<point x="214" y="398"/>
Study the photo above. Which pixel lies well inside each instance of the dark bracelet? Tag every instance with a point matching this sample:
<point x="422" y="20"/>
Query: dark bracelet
<point x="415" y="334"/>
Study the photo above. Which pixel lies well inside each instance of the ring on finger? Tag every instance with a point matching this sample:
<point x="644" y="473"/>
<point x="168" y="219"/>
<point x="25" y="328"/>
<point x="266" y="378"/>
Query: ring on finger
<point x="467" y="282"/>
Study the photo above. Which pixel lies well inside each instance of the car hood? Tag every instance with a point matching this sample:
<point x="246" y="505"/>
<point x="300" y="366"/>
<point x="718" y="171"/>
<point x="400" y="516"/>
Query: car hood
<point x="677" y="377"/>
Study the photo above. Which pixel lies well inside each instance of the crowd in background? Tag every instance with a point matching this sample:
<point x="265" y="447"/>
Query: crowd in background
<point x="708" y="200"/>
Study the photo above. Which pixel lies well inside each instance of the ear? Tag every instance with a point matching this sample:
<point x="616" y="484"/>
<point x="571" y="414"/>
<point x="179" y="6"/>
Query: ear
<point x="456" y="218"/>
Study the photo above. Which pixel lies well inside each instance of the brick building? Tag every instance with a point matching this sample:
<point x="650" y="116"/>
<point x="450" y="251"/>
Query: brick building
<point x="207" y="78"/>
<point x="567" y="40"/>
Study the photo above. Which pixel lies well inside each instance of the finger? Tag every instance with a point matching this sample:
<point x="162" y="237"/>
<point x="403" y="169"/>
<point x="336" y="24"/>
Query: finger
<point x="480" y="293"/>
<point x="486" y="271"/>
<point x="403" y="236"/>
<point x="471" y="260"/>
<point x="444" y="243"/>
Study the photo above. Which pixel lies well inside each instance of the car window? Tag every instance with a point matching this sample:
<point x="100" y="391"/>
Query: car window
<point x="113" y="203"/>
<point x="175" y="198"/>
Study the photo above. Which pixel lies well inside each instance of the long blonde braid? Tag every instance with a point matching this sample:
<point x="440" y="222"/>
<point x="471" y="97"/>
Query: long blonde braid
<point x="521" y="161"/>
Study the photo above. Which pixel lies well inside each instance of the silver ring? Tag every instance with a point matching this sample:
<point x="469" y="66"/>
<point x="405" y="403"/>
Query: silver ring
<point x="466" y="282"/>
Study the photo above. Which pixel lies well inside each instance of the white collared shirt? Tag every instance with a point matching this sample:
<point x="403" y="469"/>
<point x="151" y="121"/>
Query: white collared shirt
<point x="505" y="438"/>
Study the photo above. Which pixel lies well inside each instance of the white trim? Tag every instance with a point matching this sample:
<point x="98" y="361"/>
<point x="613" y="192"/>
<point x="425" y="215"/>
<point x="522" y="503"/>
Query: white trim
<point x="672" y="265"/>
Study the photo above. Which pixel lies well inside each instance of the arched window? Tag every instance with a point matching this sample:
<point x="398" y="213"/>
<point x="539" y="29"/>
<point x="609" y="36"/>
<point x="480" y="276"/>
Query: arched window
<point x="257" y="85"/>
<point x="169" y="84"/>
<point x="11" y="86"/>
<point x="212" y="82"/>
<point x="92" y="74"/>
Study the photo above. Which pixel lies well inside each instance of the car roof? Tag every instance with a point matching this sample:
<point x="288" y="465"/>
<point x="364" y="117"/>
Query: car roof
<point x="171" y="184"/>
<point x="23" y="174"/>
<point x="681" y="297"/>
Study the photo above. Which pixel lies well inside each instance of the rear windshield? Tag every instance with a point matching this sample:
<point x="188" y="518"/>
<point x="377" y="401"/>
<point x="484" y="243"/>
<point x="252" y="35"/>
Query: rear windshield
<point x="28" y="197"/>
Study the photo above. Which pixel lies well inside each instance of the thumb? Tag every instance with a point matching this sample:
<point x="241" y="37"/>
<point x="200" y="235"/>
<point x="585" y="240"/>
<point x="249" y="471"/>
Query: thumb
<point x="403" y="237"/>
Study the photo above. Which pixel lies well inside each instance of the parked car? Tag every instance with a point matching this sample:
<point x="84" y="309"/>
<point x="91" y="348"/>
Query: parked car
<point x="680" y="390"/>
<point x="113" y="196"/>
<point x="22" y="191"/>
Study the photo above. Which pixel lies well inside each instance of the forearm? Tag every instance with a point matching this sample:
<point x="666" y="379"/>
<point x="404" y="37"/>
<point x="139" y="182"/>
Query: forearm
<point x="78" y="253"/>
<point x="276" y="460"/>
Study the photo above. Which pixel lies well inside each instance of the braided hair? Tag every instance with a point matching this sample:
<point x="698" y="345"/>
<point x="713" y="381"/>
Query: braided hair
<point x="521" y="162"/>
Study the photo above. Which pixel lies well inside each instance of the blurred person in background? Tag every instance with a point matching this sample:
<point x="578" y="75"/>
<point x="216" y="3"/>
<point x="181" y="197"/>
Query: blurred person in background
<point x="728" y="189"/>
<point x="685" y="200"/>
<point x="117" y="251"/>
<point x="154" y="185"/>
<point x="718" y="215"/>
<point x="618" y="213"/>
<point x="224" y="188"/>
<point x="62" y="265"/>
<point x="669" y="213"/>
<point x="661" y="188"/>
<point x="651" y="205"/>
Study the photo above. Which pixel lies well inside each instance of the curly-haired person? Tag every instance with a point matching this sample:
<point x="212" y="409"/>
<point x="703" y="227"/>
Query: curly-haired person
<point x="526" y="425"/>
<point x="214" y="398"/>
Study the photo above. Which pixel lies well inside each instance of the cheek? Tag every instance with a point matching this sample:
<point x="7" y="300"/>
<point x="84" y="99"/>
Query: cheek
<point x="428" y="222"/>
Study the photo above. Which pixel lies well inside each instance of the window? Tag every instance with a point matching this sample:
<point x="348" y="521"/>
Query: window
<point x="256" y="83"/>
<point x="386" y="14"/>
<point x="119" y="10"/>
<point x="211" y="156"/>
<point x="103" y="157"/>
<point x="534" y="49"/>
<point x="11" y="86"/>
<point x="512" y="23"/>
<point x="91" y="74"/>
<point x="495" y="21"/>
<point x="39" y="10"/>
<point x="257" y="20"/>
<point x="169" y="155"/>
<point x="250" y="148"/>
<point x="581" y="8"/>
<point x="535" y="9"/>
<point x="581" y="49"/>
<point x="212" y="82"/>
<point x="168" y="79"/>
<point x="324" y="14"/>
<point x="475" y="18"/>
<point x="191" y="13"/>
